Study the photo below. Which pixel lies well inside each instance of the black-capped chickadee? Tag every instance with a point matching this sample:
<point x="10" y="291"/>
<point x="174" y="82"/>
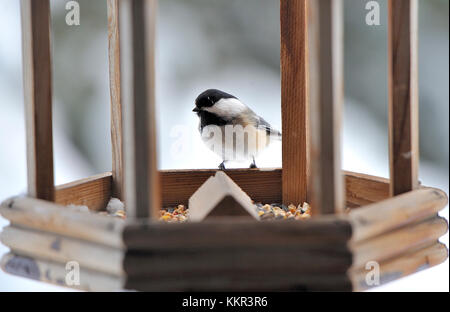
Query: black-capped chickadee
<point x="230" y="128"/>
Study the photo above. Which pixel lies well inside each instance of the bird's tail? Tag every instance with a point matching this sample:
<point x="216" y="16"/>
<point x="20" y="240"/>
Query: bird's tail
<point x="276" y="135"/>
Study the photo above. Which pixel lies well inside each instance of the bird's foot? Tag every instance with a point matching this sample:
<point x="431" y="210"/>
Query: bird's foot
<point x="222" y="166"/>
<point x="253" y="164"/>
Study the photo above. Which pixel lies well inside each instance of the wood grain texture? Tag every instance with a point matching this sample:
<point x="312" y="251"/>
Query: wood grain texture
<point x="49" y="217"/>
<point x="62" y="249"/>
<point x="263" y="282"/>
<point x="93" y="192"/>
<point x="326" y="96"/>
<point x="265" y="185"/>
<point x="394" y="243"/>
<point x="294" y="104"/>
<point x="362" y="189"/>
<point x="37" y="76"/>
<point x="403" y="95"/>
<point x="382" y="217"/>
<point x="178" y="186"/>
<point x="137" y="29"/>
<point x="236" y="232"/>
<point x="116" y="106"/>
<point x="55" y="273"/>
<point x="367" y="222"/>
<point x="409" y="263"/>
<point x="232" y="262"/>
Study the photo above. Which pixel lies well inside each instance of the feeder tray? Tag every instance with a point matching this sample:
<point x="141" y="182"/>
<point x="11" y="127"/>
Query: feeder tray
<point x="356" y="220"/>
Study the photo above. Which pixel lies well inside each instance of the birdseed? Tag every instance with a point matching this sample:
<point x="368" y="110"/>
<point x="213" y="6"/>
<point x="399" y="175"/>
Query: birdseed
<point x="272" y="211"/>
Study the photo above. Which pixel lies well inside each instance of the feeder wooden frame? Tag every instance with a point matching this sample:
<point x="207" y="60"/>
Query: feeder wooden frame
<point x="393" y="222"/>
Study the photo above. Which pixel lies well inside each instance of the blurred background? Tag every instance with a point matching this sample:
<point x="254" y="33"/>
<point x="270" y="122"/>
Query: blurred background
<point x="232" y="45"/>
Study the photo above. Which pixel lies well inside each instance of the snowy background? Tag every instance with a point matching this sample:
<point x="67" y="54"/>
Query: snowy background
<point x="230" y="45"/>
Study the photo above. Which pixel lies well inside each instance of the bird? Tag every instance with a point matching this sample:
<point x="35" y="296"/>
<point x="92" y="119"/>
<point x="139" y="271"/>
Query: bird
<point x="230" y="128"/>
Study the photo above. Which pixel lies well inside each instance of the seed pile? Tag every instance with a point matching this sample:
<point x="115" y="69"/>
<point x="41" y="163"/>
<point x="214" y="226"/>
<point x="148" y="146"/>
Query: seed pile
<point x="277" y="211"/>
<point x="180" y="213"/>
<point x="174" y="214"/>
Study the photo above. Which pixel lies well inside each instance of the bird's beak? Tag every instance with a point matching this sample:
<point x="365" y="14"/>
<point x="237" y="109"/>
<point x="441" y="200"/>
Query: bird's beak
<point x="196" y="109"/>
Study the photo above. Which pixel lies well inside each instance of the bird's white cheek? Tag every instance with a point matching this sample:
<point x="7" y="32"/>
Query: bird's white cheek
<point x="227" y="108"/>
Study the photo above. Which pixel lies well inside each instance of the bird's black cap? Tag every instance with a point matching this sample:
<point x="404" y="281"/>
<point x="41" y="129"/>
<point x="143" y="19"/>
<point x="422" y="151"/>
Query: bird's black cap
<point x="209" y="97"/>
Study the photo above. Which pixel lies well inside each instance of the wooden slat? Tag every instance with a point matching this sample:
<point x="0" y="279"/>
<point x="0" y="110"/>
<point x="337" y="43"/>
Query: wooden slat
<point x="294" y="104"/>
<point x="62" y="249"/>
<point x="367" y="222"/>
<point x="362" y="189"/>
<point x="393" y="213"/>
<point x="55" y="273"/>
<point x="394" y="243"/>
<point x="93" y="192"/>
<point x="236" y="232"/>
<point x="114" y="88"/>
<point x="265" y="185"/>
<point x="409" y="263"/>
<point x="319" y="259"/>
<point x="137" y="29"/>
<point x="37" y="73"/>
<point x="261" y="185"/>
<point x="326" y="96"/>
<point x="178" y="186"/>
<point x="46" y="216"/>
<point x="403" y="96"/>
<point x="263" y="282"/>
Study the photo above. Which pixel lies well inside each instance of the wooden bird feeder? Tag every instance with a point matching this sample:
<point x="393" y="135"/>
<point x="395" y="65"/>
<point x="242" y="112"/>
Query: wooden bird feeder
<point x="356" y="218"/>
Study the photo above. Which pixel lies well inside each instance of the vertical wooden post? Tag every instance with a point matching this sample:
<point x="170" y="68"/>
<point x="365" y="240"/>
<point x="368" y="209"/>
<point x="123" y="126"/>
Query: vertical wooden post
<point x="294" y="104"/>
<point x="325" y="33"/>
<point x="116" y="106"/>
<point x="403" y="96"/>
<point x="37" y="76"/>
<point x="137" y="39"/>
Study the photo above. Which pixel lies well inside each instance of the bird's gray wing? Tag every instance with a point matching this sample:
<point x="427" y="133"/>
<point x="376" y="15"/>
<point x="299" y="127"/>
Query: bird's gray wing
<point x="261" y="123"/>
<point x="249" y="117"/>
